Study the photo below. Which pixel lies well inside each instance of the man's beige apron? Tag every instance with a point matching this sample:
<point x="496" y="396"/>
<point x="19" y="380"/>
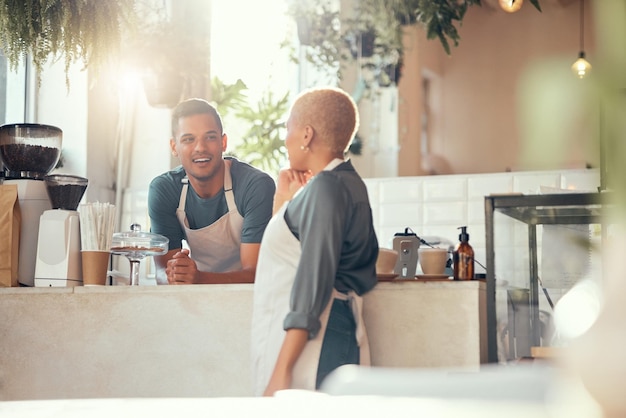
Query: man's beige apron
<point x="215" y="247"/>
<point x="278" y="261"/>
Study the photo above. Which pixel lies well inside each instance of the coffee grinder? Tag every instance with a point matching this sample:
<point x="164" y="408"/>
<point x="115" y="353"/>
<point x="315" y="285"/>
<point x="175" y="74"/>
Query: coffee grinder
<point x="58" y="245"/>
<point x="28" y="152"/>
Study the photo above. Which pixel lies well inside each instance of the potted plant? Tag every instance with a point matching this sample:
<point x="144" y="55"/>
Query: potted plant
<point x="72" y="30"/>
<point x="168" y="53"/>
<point x="386" y="19"/>
<point x="318" y="27"/>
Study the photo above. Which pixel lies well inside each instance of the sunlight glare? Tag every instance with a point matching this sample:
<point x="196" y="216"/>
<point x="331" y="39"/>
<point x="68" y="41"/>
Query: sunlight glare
<point x="245" y="44"/>
<point x="578" y="309"/>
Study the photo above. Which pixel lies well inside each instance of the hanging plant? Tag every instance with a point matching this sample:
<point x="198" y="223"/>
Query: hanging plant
<point x="170" y="54"/>
<point x="318" y="27"/>
<point x="72" y="30"/>
<point x="387" y="19"/>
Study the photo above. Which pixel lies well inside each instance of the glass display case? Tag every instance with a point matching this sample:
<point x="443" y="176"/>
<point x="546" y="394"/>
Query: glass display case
<point x="538" y="247"/>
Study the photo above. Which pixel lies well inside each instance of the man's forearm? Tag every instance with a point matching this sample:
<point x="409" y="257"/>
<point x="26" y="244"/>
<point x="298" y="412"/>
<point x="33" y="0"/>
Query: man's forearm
<point x="238" y="276"/>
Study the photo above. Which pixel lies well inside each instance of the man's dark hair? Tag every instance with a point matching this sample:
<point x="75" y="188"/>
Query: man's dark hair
<point x="191" y="107"/>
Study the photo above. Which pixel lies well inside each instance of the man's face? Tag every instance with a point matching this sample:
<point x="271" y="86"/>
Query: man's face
<point x="199" y="145"/>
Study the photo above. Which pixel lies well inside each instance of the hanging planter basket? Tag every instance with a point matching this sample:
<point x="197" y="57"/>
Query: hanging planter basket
<point x="303" y="25"/>
<point x="163" y="90"/>
<point x="367" y="42"/>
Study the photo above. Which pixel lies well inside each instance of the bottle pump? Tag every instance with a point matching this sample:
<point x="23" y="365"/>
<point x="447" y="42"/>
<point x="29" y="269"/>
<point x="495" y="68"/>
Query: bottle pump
<point x="463" y="257"/>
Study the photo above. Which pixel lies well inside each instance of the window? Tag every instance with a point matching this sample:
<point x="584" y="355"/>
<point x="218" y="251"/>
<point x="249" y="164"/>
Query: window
<point x="13" y="91"/>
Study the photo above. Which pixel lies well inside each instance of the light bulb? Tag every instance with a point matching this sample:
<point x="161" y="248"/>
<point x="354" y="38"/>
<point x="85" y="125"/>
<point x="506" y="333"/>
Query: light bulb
<point x="581" y="67"/>
<point x="511" y="6"/>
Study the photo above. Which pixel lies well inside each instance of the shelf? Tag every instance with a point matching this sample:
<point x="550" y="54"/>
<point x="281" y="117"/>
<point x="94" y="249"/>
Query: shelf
<point x="533" y="210"/>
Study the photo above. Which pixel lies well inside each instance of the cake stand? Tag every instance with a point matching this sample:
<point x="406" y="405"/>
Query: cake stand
<point x="137" y="245"/>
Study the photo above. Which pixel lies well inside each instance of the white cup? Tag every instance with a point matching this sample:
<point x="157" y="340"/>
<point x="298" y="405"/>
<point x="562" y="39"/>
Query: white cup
<point x="433" y="260"/>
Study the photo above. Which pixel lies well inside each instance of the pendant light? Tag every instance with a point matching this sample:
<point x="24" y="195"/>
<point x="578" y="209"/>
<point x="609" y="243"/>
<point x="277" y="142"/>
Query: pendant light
<point x="581" y="67"/>
<point x="511" y="6"/>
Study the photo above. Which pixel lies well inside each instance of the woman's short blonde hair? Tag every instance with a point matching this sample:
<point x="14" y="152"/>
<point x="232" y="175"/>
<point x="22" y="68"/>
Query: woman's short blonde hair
<point x="331" y="113"/>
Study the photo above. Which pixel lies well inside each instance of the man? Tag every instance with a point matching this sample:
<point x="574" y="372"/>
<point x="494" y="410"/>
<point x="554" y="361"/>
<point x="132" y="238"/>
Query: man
<point x="219" y="205"/>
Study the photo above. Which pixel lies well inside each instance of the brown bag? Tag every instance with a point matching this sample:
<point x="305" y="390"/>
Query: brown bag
<point x="10" y="220"/>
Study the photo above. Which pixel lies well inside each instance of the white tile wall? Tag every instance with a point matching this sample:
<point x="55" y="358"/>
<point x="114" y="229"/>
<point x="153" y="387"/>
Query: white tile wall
<point x="435" y="206"/>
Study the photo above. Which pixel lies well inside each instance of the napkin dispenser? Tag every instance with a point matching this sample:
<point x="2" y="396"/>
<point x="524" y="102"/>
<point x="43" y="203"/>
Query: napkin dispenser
<point x="406" y="244"/>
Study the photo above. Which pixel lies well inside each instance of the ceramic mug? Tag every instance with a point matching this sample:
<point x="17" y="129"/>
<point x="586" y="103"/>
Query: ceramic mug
<point x="433" y="260"/>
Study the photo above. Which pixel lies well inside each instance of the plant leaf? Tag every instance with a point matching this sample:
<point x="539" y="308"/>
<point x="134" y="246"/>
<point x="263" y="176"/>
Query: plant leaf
<point x="536" y="4"/>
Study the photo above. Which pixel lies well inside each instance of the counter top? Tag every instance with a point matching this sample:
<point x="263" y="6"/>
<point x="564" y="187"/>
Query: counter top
<point x="384" y="284"/>
<point x="194" y="341"/>
<point x="317" y="405"/>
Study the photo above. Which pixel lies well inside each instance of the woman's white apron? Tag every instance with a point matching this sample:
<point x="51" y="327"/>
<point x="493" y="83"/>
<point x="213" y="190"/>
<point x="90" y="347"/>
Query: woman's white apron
<point x="278" y="261"/>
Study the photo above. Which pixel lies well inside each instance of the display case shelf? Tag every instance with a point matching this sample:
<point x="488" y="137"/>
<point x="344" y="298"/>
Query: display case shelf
<point x="532" y="211"/>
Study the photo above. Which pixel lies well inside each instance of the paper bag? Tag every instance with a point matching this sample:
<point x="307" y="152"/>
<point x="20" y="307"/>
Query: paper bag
<point x="10" y="220"/>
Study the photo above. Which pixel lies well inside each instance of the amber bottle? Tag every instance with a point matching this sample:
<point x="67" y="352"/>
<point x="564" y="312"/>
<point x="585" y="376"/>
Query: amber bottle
<point x="463" y="257"/>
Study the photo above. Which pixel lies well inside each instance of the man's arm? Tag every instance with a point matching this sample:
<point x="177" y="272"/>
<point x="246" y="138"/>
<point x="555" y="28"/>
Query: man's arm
<point x="178" y="268"/>
<point x="160" y="262"/>
<point x="249" y="255"/>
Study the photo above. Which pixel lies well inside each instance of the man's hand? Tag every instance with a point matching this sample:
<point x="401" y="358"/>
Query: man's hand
<point x="181" y="269"/>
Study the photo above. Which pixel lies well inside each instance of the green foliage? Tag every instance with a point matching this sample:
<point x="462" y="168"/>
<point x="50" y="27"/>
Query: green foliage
<point x="536" y="4"/>
<point x="387" y="18"/>
<point x="228" y="96"/>
<point x="85" y="30"/>
<point x="263" y="144"/>
<point x="318" y="25"/>
<point x="263" y="138"/>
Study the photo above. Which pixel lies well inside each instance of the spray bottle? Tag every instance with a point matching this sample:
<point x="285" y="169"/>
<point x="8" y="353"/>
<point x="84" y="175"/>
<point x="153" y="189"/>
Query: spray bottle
<point x="463" y="257"/>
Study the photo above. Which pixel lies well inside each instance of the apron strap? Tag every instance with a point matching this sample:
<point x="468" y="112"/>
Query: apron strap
<point x="356" y="305"/>
<point x="183" y="198"/>
<point x="228" y="187"/>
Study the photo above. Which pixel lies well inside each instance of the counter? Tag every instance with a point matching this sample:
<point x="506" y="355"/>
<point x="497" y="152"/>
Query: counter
<point x="193" y="341"/>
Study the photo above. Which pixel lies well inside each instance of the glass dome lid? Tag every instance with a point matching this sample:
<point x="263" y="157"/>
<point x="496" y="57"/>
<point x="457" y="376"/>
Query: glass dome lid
<point x="138" y="242"/>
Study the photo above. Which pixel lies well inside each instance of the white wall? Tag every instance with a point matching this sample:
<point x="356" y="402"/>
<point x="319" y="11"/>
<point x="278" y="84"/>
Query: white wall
<point x="65" y="109"/>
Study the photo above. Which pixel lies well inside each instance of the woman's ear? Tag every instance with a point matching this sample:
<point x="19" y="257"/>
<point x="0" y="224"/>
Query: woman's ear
<point x="309" y="133"/>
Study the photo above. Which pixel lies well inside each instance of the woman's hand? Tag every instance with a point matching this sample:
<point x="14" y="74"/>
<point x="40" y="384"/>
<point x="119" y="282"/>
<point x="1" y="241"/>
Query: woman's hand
<point x="290" y="351"/>
<point x="278" y="381"/>
<point x="288" y="183"/>
<point x="181" y="269"/>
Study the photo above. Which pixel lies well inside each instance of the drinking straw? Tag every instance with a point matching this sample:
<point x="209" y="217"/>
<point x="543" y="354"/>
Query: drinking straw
<point x="97" y="223"/>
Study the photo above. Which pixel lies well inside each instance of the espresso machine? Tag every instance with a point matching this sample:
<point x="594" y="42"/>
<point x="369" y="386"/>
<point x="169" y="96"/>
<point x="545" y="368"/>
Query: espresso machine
<point x="58" y="245"/>
<point x="28" y="153"/>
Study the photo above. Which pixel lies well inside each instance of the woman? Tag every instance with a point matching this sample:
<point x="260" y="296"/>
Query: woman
<point x="317" y="255"/>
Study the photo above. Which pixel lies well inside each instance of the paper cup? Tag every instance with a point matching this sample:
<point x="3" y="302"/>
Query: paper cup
<point x="95" y="266"/>
<point x="433" y="260"/>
